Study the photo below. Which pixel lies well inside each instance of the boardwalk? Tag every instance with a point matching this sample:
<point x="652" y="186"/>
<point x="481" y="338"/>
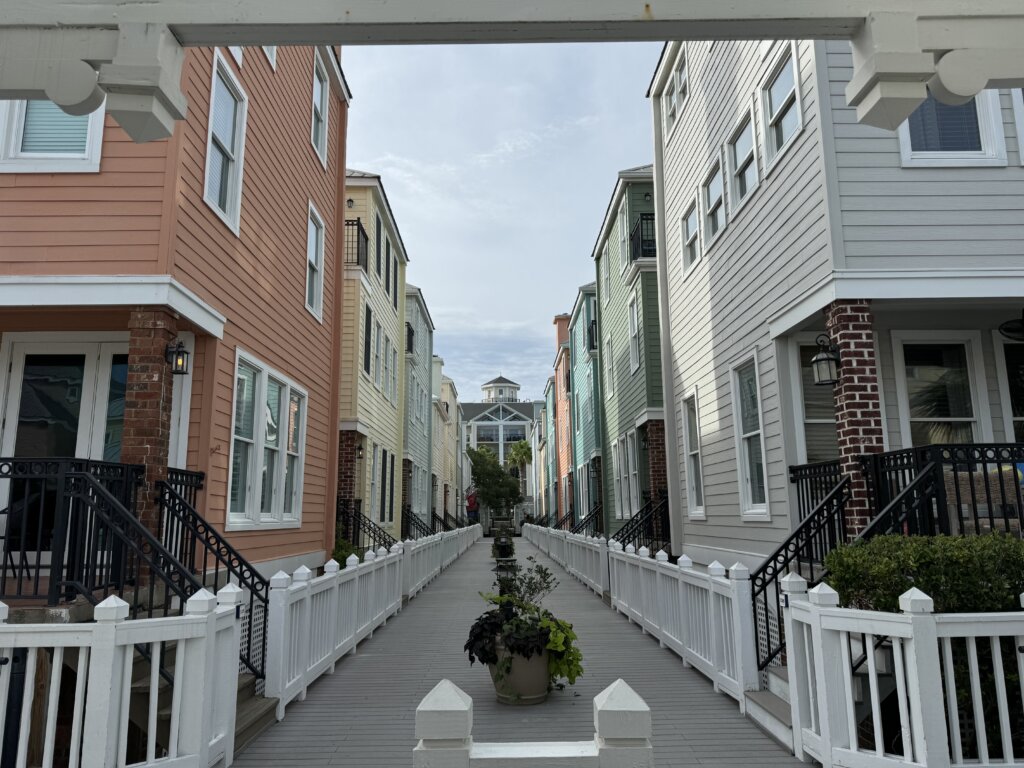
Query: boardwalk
<point x="363" y="715"/>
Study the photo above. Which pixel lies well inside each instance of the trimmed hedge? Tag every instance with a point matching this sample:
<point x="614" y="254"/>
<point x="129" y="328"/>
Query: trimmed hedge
<point x="962" y="574"/>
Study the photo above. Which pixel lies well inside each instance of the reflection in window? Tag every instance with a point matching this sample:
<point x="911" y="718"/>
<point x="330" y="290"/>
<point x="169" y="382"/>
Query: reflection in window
<point x="938" y="393"/>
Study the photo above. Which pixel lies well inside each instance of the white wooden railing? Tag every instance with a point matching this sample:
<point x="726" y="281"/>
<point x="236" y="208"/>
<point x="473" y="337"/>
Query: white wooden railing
<point x="201" y="720"/>
<point x="704" y="617"/>
<point x="944" y="671"/>
<point x="444" y="730"/>
<point x="313" y="622"/>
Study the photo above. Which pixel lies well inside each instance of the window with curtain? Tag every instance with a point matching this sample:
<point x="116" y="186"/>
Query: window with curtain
<point x="938" y="127"/>
<point x="37" y="136"/>
<point x="939" y="398"/>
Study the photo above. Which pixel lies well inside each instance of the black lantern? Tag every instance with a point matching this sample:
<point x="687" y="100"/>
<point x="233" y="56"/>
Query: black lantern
<point x="177" y="357"/>
<point x="825" y="364"/>
<point x="1013" y="329"/>
<point x="359" y="452"/>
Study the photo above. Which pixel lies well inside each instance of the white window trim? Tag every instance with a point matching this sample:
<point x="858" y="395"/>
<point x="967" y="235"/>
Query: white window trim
<point x="607" y="268"/>
<point x="679" y="104"/>
<point x="633" y="320"/>
<point x="993" y="141"/>
<point x="270" y="51"/>
<point x="717" y="167"/>
<point x="692" y="512"/>
<point x="771" y="159"/>
<point x="233" y="216"/>
<point x="623" y="221"/>
<point x="1017" y="98"/>
<point x="616" y="480"/>
<point x="694" y="206"/>
<point x="250" y="523"/>
<point x="319" y="68"/>
<point x="736" y="203"/>
<point x="237" y="53"/>
<point x="749" y="512"/>
<point x="975" y="372"/>
<point x="317" y="310"/>
<point x="378" y="353"/>
<point x="12" y="115"/>
<point x="999" y="342"/>
<point x="633" y="471"/>
<point x="609" y="367"/>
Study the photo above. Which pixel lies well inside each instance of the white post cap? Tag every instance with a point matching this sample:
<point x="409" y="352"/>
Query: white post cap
<point x="716" y="569"/>
<point x="352" y="561"/>
<point x="369" y="556"/>
<point x="229" y="594"/>
<point x="630" y="549"/>
<point x="644" y="552"/>
<point x="203" y="601"/>
<point x="662" y="556"/>
<point x="111" y="610"/>
<point x="684" y="561"/>
<point x="396" y="547"/>
<point x="620" y="713"/>
<point x="302" y="573"/>
<point x="445" y="713"/>
<point x="382" y="552"/>
<point x="916" y="601"/>
<point x="280" y="580"/>
<point x="793" y="583"/>
<point x="739" y="572"/>
<point x="824" y="596"/>
<point x="331" y="566"/>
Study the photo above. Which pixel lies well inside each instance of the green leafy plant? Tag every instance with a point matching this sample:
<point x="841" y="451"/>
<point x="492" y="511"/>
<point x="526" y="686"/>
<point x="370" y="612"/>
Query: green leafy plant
<point x="521" y="625"/>
<point x="960" y="573"/>
<point x="495" y="487"/>
<point x="343" y="548"/>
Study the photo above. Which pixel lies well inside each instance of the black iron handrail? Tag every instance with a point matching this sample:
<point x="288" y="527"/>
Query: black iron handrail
<point x="438" y="523"/>
<point x="565" y="521"/>
<point x="412" y="526"/>
<point x="593" y="523"/>
<point x="187" y="482"/>
<point x="804" y="552"/>
<point x="359" y="530"/>
<point x="918" y="510"/>
<point x="357" y="244"/>
<point x="650" y="527"/>
<point x="642" y="244"/>
<point x="813" y="483"/>
<point x="209" y="556"/>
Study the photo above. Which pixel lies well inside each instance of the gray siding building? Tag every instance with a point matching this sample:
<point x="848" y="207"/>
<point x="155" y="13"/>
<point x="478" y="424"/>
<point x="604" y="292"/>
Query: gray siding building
<point x="417" y="460"/>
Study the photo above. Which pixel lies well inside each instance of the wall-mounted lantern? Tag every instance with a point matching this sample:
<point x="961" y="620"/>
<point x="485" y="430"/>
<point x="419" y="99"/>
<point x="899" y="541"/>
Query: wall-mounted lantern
<point x="1013" y="329"/>
<point x="177" y="357"/>
<point x="825" y="364"/>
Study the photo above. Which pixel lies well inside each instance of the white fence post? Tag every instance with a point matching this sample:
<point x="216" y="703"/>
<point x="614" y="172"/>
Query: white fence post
<point x="924" y="682"/>
<point x="602" y="565"/>
<point x="743" y="631"/>
<point x="300" y="625"/>
<point x="195" y="665"/>
<point x="623" y="723"/>
<point x="277" y="639"/>
<point x="794" y="590"/>
<point x="227" y="641"/>
<point x="444" y="727"/>
<point x="332" y="568"/>
<point x="829" y="671"/>
<point x="685" y="564"/>
<point x="103" y="713"/>
<point x="716" y="571"/>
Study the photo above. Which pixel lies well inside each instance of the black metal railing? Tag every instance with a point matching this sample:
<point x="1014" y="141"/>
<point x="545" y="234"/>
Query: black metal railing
<point x="565" y="521"/>
<point x="438" y="523"/>
<point x="803" y="552"/>
<point x="39" y="562"/>
<point x="918" y="510"/>
<point x="592" y="336"/>
<point x="359" y="530"/>
<point x="813" y="483"/>
<point x="211" y="558"/>
<point x="412" y="526"/>
<point x="357" y="244"/>
<point x="592" y="524"/>
<point x="650" y="527"/>
<point x="450" y="522"/>
<point x="641" y="239"/>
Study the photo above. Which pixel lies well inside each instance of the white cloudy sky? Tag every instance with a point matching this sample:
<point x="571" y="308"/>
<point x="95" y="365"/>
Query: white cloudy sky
<point x="499" y="162"/>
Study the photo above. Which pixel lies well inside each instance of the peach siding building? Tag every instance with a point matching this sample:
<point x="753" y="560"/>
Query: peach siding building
<point x="226" y="237"/>
<point x="563" y="425"/>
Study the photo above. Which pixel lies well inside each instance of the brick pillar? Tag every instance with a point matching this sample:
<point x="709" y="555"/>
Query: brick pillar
<point x="859" y="415"/>
<point x="348" y="463"/>
<point x="147" y="407"/>
<point x="657" y="472"/>
<point x="406" y="485"/>
<point x="598" y="480"/>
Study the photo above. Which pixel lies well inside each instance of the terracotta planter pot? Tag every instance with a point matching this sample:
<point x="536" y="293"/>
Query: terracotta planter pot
<point x="526" y="681"/>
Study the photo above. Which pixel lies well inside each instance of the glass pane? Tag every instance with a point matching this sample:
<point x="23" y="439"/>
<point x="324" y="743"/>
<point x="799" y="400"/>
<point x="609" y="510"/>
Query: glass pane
<point x="291" y="468"/>
<point x="696" y="486"/>
<point x="743" y="145"/>
<point x="240" y="454"/>
<point x="50" y="130"/>
<point x="755" y="467"/>
<point x="819" y="401"/>
<point x="273" y="436"/>
<point x="218" y="171"/>
<point x="311" y="286"/>
<point x="115" y="408"/>
<point x="780" y="88"/>
<point x="937" y="127"/>
<point x="1015" y="377"/>
<point x="691" y="223"/>
<point x="691" y="425"/>
<point x="245" y="401"/>
<point x="746" y="378"/>
<point x="930" y="432"/>
<point x="270" y="459"/>
<point x="51" y="403"/>
<point x="1018" y="431"/>
<point x="938" y="384"/>
<point x="225" y="109"/>
<point x="714" y="188"/>
<point x="294" y="422"/>
<point x="822" y="442"/>
<point x="313" y="242"/>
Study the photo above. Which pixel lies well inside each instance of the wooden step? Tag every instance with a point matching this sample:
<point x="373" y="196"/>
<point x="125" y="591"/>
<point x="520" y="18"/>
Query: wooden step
<point x="772" y="715"/>
<point x="778" y="682"/>
<point x="254" y="715"/>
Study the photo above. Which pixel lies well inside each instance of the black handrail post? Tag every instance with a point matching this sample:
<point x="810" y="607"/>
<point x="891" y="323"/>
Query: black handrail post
<point x="59" y="540"/>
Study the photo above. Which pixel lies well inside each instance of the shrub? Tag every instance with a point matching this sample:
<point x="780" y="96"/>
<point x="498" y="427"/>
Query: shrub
<point x="342" y="549"/>
<point x="962" y="574"/>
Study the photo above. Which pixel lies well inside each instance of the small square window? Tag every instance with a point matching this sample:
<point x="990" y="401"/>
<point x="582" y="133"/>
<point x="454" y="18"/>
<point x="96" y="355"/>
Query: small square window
<point x="37" y="136"/>
<point x="970" y="134"/>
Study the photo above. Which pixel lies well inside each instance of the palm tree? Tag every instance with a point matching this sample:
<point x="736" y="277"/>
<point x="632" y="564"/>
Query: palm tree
<point x="518" y="456"/>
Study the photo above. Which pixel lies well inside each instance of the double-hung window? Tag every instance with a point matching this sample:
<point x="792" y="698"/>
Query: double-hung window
<point x="617" y="480"/>
<point x="634" y="335"/>
<point x="225" y="144"/>
<point x="741" y="159"/>
<point x="691" y="446"/>
<point x="394" y="280"/>
<point x="749" y="445"/>
<point x="713" y="193"/>
<point x="780" y="105"/>
<point x="676" y="91"/>
<point x="367" y="339"/>
<point x="387" y="267"/>
<point x="315" y="263"/>
<point x="623" y="238"/>
<point x="373" y="480"/>
<point x="821" y="440"/>
<point x="267" y="449"/>
<point x="318" y="131"/>
<point x="609" y="368"/>
<point x="606" y="270"/>
<point x="394" y="375"/>
<point x="691" y="236"/>
<point x="387" y="367"/>
<point x="377" y="351"/>
<point x="37" y="136"/>
<point x="970" y="134"/>
<point x="379" y="241"/>
<point x="634" y="473"/>
<point x="1013" y="359"/>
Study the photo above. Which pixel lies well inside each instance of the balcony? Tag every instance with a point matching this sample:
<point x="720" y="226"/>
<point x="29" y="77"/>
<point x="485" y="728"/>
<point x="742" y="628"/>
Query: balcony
<point x="357" y="244"/>
<point x="641" y="239"/>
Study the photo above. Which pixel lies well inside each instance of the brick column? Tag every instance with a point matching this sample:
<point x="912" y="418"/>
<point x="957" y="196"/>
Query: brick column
<point x="348" y="463"/>
<point x="406" y="484"/>
<point x="858" y="402"/>
<point x="147" y="407"/>
<point x="598" y="480"/>
<point x="657" y="470"/>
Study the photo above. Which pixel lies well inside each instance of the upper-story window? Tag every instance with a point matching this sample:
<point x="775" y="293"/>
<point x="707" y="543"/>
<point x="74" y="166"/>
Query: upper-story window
<point x="676" y="91"/>
<point x="318" y="135"/>
<point x="315" y="262"/>
<point x="623" y="237"/>
<point x="377" y="351"/>
<point x="410" y="339"/>
<point x="394" y="280"/>
<point x="367" y="339"/>
<point x="394" y="375"/>
<point x="609" y="368"/>
<point x="691" y="236"/>
<point x="749" y="443"/>
<point x="938" y="134"/>
<point x="780" y="105"/>
<point x="606" y="270"/>
<point x="379" y="241"/>
<point x="387" y="266"/>
<point x="37" y="136"/>
<point x="714" y="204"/>
<point x="225" y="145"/>
<point x="741" y="159"/>
<point x="634" y="335"/>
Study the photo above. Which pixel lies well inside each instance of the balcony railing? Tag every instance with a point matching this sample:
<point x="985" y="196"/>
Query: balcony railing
<point x="357" y="244"/>
<point x="641" y="239"/>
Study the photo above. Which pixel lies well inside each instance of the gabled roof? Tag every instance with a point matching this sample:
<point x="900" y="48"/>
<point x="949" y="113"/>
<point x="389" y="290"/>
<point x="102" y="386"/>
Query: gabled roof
<point x="417" y="293"/>
<point x="639" y="174"/>
<point x="356" y="178"/>
<point x="501" y="380"/>
<point x="474" y="411"/>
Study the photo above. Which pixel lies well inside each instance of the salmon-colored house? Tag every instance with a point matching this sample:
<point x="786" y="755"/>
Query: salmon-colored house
<point x="223" y="242"/>
<point x="563" y="421"/>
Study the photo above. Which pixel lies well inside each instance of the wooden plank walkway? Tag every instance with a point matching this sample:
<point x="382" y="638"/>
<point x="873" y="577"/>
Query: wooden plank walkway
<point x="363" y="715"/>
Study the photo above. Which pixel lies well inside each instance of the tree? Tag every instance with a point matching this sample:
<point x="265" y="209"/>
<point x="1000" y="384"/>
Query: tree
<point x="518" y="456"/>
<point x="495" y="487"/>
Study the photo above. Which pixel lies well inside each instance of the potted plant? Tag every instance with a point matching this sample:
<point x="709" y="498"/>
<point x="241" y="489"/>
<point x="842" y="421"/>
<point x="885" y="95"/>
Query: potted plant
<point x="528" y="650"/>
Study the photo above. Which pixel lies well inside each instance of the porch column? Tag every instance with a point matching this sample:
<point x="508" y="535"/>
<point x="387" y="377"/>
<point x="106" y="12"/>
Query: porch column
<point x="147" y="408"/>
<point x="656" y="468"/>
<point x="598" y="477"/>
<point x="859" y="425"/>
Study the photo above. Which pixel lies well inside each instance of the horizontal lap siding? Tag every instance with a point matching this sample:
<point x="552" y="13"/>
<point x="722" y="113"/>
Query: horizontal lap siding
<point x="106" y="223"/>
<point x="923" y="218"/>
<point x="771" y="254"/>
<point x="257" y="280"/>
<point x="417" y="372"/>
<point x="584" y="432"/>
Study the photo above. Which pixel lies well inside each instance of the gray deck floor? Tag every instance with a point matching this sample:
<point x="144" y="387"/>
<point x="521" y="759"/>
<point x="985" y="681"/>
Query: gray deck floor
<point x="363" y="715"/>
